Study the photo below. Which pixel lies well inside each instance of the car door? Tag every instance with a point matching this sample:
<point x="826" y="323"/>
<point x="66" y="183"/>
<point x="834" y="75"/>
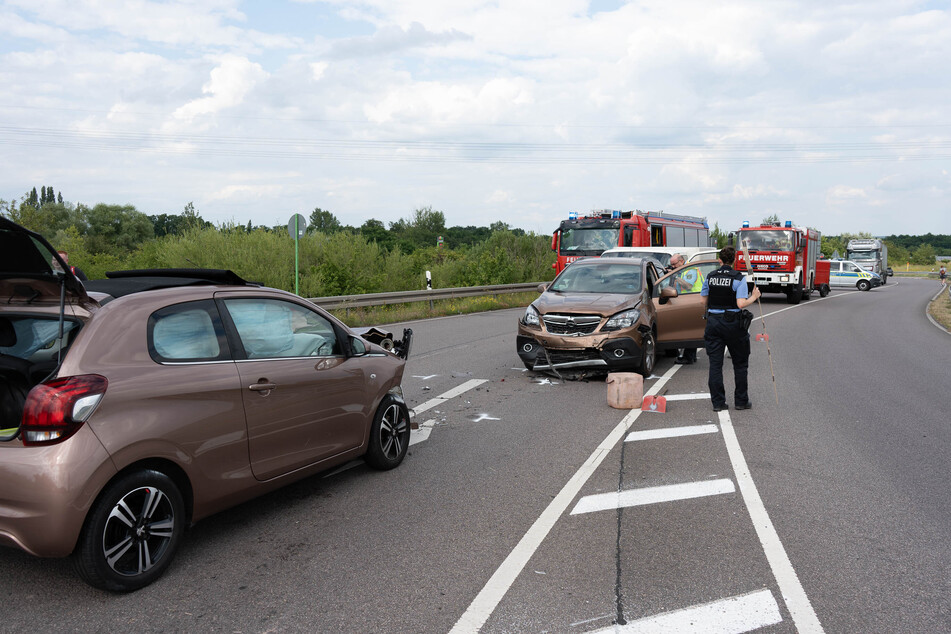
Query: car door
<point x="305" y="400"/>
<point x="680" y="319"/>
<point x="835" y="274"/>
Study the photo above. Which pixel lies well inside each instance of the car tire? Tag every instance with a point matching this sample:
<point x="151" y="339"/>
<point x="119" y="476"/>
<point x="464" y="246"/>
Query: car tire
<point x="131" y="533"/>
<point x="389" y="436"/>
<point x="863" y="285"/>
<point x="648" y="354"/>
<point x="794" y="295"/>
<point x="824" y="290"/>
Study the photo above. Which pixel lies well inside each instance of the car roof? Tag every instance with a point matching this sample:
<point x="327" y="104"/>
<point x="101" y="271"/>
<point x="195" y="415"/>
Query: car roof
<point x="122" y="283"/>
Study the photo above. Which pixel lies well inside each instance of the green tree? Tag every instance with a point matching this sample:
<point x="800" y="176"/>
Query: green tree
<point x="116" y="228"/>
<point x="322" y="221"/>
<point x="770" y="219"/>
<point x="373" y="231"/>
<point x="924" y="254"/>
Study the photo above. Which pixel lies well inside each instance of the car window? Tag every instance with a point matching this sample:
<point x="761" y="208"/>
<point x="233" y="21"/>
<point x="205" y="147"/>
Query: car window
<point x="687" y="280"/>
<point x="602" y="277"/>
<point x="191" y="331"/>
<point x="32" y="338"/>
<point x="272" y="328"/>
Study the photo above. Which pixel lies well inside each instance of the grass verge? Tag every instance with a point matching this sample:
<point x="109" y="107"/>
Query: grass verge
<point x="940" y="309"/>
<point x="379" y="315"/>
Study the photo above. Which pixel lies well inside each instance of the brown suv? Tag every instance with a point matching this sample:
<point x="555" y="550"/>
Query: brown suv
<point x="136" y="405"/>
<point x="612" y="314"/>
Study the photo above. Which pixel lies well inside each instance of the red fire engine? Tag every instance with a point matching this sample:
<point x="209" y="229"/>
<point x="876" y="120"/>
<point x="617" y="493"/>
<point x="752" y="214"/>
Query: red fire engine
<point x="782" y="259"/>
<point x="602" y="229"/>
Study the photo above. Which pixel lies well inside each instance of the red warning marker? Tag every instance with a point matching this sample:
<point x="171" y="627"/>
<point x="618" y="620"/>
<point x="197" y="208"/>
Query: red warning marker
<point x="654" y="404"/>
<point x="762" y="337"/>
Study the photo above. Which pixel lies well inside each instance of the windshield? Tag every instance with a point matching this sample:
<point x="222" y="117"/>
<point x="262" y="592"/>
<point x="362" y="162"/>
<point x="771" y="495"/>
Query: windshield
<point x="871" y="254"/>
<point x="663" y="258"/>
<point x="577" y="241"/>
<point x="766" y="240"/>
<point x="603" y="277"/>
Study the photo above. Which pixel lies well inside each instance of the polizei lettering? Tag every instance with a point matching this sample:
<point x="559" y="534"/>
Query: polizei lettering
<point x="719" y="281"/>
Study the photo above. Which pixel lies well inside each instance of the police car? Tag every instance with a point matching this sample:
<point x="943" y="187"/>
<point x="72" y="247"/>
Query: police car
<point x="848" y="273"/>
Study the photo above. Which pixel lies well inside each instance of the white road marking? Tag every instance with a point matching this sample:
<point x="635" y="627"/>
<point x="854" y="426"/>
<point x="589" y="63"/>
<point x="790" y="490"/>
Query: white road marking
<point x="793" y="593"/>
<point x="652" y="495"/>
<point x="421" y="434"/>
<point x="744" y="613"/>
<point x="483" y="417"/>
<point x="671" y="432"/>
<point x="688" y="397"/>
<point x="454" y="392"/>
<point x="425" y="378"/>
<point x="499" y="583"/>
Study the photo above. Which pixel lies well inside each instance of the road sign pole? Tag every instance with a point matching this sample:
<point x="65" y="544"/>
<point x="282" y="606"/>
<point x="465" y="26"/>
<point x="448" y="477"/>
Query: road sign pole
<point x="296" y="256"/>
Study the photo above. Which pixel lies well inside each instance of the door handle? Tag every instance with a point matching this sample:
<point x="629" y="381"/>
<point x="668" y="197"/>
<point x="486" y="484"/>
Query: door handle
<point x="262" y="387"/>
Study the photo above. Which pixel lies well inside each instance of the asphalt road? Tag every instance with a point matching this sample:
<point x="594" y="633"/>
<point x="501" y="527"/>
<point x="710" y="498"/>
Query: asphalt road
<point x="506" y="516"/>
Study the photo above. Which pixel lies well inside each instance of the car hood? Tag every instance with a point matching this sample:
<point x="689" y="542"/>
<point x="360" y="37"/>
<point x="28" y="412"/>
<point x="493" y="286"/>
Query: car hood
<point x="606" y="304"/>
<point x="26" y="267"/>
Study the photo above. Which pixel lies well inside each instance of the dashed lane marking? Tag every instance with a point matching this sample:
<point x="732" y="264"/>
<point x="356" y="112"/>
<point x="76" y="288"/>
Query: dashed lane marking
<point x="652" y="495"/>
<point x="454" y="392"/>
<point x="743" y="613"/>
<point x="793" y="593"/>
<point x="421" y="434"/>
<point x="688" y="397"/>
<point x="671" y="432"/>
<point x="499" y="583"/>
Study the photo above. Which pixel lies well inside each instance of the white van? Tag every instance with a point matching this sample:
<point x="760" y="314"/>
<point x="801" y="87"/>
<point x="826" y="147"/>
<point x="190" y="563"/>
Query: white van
<point x="661" y="254"/>
<point x="848" y="273"/>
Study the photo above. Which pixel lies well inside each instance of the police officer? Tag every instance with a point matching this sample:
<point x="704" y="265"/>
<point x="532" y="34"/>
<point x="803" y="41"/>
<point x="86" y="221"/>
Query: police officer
<point x="724" y="294"/>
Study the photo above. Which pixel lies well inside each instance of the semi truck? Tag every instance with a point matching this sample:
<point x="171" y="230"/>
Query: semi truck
<point x="871" y="255"/>
<point x="594" y="232"/>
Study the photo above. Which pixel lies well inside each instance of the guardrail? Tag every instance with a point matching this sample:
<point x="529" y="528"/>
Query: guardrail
<point x="405" y="297"/>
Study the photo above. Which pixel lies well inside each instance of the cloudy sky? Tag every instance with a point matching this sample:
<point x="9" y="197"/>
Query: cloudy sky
<point x="835" y="115"/>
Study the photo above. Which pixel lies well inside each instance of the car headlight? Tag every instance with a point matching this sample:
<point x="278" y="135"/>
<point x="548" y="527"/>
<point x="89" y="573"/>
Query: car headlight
<point x="622" y="320"/>
<point x="530" y="318"/>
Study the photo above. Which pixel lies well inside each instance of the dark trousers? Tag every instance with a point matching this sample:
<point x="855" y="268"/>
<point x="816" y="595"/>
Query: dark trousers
<point x="721" y="333"/>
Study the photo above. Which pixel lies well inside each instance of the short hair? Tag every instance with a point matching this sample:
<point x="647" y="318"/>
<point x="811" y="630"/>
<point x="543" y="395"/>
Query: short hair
<point x="727" y="255"/>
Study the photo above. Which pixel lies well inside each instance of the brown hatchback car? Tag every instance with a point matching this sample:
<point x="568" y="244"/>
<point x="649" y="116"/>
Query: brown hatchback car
<point x="612" y="314"/>
<point x="136" y="405"/>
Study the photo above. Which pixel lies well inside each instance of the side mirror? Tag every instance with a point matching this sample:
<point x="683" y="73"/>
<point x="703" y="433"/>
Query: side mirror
<point x="542" y="287"/>
<point x="357" y="347"/>
<point x="667" y="293"/>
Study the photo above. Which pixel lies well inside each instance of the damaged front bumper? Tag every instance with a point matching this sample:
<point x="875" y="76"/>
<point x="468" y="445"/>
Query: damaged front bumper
<point x="610" y="356"/>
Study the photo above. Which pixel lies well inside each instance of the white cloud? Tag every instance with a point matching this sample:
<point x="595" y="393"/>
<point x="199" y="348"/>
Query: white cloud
<point x="231" y="80"/>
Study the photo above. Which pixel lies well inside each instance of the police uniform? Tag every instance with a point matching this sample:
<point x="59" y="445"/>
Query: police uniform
<point x="725" y="330"/>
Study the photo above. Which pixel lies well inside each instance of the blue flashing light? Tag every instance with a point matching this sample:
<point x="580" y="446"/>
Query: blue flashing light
<point x="789" y="224"/>
<point x="616" y="213"/>
<point x="746" y="224"/>
<point x="572" y="215"/>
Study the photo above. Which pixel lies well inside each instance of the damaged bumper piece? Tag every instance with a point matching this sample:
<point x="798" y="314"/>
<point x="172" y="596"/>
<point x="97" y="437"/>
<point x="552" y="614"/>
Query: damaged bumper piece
<point x="384" y="339"/>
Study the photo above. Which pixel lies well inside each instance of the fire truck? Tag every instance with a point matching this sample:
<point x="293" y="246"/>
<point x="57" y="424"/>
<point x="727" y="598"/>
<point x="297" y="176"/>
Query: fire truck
<point x="782" y="259"/>
<point x="596" y="231"/>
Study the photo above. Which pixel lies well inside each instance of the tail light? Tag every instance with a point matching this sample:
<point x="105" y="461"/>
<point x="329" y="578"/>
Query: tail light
<point x="55" y="410"/>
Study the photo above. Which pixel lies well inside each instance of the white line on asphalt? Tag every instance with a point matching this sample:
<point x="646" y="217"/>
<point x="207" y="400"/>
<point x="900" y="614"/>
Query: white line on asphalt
<point x="499" y="583"/>
<point x="442" y="398"/>
<point x="652" y="495"/>
<point x="688" y="397"/>
<point x="671" y="432"/>
<point x="744" y="613"/>
<point x="793" y="594"/>
<point x="421" y="434"/>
